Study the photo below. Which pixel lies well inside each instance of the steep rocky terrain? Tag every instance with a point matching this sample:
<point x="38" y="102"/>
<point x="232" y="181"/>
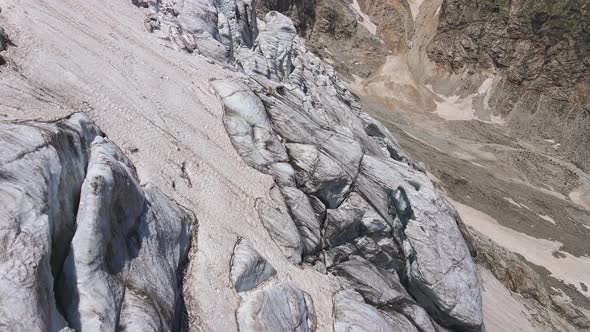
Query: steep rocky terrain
<point x="540" y="53"/>
<point x="310" y="215"/>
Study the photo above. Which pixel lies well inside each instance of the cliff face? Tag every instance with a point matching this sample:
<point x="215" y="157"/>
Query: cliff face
<point x="540" y="50"/>
<point x="394" y="21"/>
<point x="545" y="44"/>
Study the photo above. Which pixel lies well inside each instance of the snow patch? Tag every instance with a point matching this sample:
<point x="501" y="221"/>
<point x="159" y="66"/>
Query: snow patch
<point x="501" y="311"/>
<point x="454" y="108"/>
<point x="569" y="268"/>
<point x="364" y="18"/>
<point x="547" y="218"/>
<point x="511" y="201"/>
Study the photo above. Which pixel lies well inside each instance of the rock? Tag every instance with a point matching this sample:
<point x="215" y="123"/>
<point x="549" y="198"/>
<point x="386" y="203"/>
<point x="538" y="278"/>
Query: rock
<point x="537" y="57"/>
<point x="248" y="268"/>
<point x="280" y="307"/>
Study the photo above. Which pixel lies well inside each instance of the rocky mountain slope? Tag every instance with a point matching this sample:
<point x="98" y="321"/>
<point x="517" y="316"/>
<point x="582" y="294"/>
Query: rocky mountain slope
<point x="310" y="215"/>
<point x="539" y="53"/>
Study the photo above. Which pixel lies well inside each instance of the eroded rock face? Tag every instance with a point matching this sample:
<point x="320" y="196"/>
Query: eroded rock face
<point x="539" y="54"/>
<point x="76" y="217"/>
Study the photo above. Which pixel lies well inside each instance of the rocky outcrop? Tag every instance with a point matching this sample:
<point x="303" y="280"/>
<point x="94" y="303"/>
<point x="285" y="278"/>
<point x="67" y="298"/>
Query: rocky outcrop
<point x="538" y="53"/>
<point x="83" y="244"/>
